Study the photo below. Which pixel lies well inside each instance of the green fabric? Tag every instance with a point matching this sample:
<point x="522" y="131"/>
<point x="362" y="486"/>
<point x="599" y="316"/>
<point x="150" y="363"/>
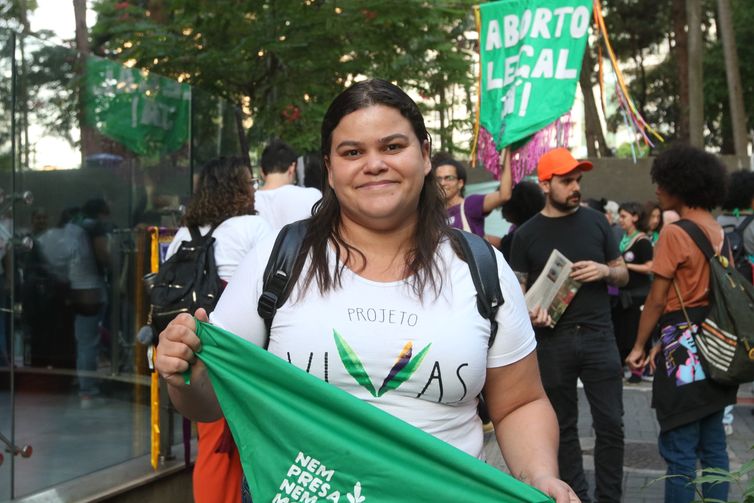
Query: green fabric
<point x="531" y="54"/>
<point x="147" y="113"/>
<point x="301" y="439"/>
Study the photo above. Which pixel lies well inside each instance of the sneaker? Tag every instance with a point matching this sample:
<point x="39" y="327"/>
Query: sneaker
<point x="634" y="379"/>
<point x="728" y="429"/>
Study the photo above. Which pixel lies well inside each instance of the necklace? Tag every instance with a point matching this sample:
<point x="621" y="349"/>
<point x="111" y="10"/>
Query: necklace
<point x="625" y="241"/>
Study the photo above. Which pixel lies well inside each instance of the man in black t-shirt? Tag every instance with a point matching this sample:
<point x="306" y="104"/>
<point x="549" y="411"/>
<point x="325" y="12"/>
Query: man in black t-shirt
<point x="581" y="345"/>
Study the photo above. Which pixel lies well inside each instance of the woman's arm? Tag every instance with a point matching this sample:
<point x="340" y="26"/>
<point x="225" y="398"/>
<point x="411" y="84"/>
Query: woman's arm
<point x="645" y="268"/>
<point x="496" y="199"/>
<point x="175" y="354"/>
<point x="526" y="426"/>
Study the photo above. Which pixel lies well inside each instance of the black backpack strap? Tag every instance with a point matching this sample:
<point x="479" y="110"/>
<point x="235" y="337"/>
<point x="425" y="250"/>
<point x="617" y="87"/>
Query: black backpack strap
<point x="196" y="234"/>
<point x="278" y="283"/>
<point x="698" y="236"/>
<point x="743" y="225"/>
<point x="480" y="257"/>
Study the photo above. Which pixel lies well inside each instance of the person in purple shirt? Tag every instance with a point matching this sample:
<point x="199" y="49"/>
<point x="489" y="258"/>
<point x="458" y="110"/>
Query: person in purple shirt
<point x="451" y="174"/>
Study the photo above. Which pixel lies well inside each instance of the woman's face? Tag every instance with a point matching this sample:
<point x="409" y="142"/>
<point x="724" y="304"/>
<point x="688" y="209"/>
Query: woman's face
<point x="654" y="219"/>
<point x="627" y="221"/>
<point x="376" y="167"/>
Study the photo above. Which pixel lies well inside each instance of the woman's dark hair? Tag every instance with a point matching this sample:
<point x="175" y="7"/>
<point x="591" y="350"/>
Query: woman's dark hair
<point x="694" y="176"/>
<point x="445" y="159"/>
<point x="649" y="207"/>
<point x="421" y="265"/>
<point x="313" y="171"/>
<point x="740" y="191"/>
<point x="223" y="191"/>
<point x="636" y="209"/>
<point x="527" y="199"/>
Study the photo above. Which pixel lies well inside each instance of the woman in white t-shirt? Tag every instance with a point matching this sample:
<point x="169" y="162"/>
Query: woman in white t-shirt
<point x="224" y="198"/>
<point x="381" y="273"/>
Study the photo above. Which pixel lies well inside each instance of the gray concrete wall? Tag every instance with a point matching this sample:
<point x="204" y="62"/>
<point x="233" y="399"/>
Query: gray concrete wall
<point x="617" y="179"/>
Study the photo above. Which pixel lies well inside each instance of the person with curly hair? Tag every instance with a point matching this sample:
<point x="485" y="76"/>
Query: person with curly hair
<point x="689" y="406"/>
<point x="224" y="204"/>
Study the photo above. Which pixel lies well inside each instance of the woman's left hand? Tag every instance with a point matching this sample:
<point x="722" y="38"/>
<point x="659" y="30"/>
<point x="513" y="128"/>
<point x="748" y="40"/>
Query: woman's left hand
<point x="556" y="489"/>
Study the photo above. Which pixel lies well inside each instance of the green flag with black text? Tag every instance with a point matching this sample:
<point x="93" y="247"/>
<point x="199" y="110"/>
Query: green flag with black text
<point x="301" y="439"/>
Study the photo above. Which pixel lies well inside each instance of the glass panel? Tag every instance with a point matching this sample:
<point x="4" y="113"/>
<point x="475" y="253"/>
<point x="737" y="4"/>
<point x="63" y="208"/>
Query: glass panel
<point x="104" y="149"/>
<point x="6" y="170"/>
<point x="214" y="128"/>
<point x="94" y="156"/>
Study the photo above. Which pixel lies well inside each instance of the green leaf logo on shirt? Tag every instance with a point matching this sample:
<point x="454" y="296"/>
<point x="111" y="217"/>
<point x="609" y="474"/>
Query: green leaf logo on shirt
<point x="402" y="370"/>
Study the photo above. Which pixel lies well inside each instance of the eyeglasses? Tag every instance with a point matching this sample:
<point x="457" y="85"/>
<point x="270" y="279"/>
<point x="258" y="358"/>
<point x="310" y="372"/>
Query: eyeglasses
<point x="447" y="178"/>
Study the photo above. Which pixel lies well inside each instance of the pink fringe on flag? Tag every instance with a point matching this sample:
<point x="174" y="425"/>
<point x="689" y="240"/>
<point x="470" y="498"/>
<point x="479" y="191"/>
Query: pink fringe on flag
<point x="524" y="160"/>
<point x="487" y="153"/>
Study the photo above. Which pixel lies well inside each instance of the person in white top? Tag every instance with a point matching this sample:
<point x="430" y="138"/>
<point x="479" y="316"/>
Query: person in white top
<point x="381" y="274"/>
<point x="280" y="202"/>
<point x="224" y="198"/>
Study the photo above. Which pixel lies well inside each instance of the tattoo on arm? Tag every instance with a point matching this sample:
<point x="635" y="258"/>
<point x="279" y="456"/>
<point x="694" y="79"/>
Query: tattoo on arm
<point x="617" y="272"/>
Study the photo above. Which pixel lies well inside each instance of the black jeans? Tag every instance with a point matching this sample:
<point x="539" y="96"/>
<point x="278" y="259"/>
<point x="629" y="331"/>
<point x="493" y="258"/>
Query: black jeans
<point x="589" y="354"/>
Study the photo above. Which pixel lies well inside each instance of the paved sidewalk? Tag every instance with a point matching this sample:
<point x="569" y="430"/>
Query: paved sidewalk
<point x="642" y="463"/>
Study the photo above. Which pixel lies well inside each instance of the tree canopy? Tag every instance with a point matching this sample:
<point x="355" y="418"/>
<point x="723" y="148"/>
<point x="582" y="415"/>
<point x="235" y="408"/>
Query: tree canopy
<point x="283" y="61"/>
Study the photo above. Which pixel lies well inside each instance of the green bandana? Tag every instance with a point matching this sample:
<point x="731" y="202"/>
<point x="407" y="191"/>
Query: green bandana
<point x="301" y="439"/>
<point x="625" y="241"/>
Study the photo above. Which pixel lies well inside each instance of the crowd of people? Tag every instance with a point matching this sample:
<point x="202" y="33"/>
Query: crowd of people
<point x="379" y="235"/>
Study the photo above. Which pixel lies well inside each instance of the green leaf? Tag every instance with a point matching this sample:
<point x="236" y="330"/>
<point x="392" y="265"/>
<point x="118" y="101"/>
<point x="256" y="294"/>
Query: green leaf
<point x="353" y="364"/>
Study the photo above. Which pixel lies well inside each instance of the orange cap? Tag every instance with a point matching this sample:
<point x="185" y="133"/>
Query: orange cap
<point x="559" y="161"/>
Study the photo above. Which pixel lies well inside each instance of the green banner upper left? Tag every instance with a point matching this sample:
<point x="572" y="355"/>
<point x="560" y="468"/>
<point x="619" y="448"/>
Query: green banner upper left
<point x="531" y="53"/>
<point x="147" y="113"/>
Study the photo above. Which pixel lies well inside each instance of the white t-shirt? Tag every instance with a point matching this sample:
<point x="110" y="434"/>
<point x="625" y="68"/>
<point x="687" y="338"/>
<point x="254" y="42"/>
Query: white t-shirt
<point x="285" y="204"/>
<point x="381" y="322"/>
<point x="233" y="240"/>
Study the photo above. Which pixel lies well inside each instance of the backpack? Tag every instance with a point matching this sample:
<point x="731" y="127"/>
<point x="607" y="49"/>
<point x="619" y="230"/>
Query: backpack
<point x="186" y="281"/>
<point x="725" y="340"/>
<point x="287" y="257"/>
<point x="735" y="236"/>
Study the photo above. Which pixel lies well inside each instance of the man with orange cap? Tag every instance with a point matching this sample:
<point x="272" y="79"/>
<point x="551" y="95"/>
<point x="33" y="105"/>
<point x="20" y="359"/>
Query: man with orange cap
<point x="581" y="346"/>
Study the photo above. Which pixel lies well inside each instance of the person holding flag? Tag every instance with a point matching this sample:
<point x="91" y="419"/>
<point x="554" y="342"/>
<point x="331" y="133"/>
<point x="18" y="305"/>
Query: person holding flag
<point x="468" y="212"/>
<point x="379" y="277"/>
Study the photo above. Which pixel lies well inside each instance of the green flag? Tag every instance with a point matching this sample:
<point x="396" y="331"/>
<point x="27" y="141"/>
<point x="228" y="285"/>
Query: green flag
<point x="301" y="439"/>
<point x="147" y="113"/>
<point x="530" y="54"/>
